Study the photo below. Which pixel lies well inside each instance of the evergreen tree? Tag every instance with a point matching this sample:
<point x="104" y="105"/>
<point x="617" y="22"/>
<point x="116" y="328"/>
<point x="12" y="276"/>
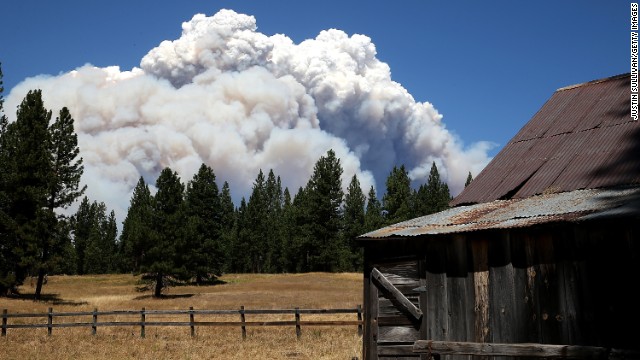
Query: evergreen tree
<point x="469" y="180"/>
<point x="110" y="233"/>
<point x="160" y="257"/>
<point x="66" y="261"/>
<point x="227" y="223"/>
<point x="41" y="174"/>
<point x="324" y="192"/>
<point x="373" y="218"/>
<point x="83" y="223"/>
<point x="396" y="202"/>
<point x="257" y="225"/>
<point x="241" y="261"/>
<point x="9" y="258"/>
<point x="438" y="195"/>
<point x="203" y="253"/>
<point x="94" y="237"/>
<point x="63" y="185"/>
<point x="301" y="229"/>
<point x="273" y="217"/>
<point x="354" y="221"/>
<point x="101" y="245"/>
<point x="136" y="228"/>
<point x="287" y="233"/>
<point x="27" y="168"/>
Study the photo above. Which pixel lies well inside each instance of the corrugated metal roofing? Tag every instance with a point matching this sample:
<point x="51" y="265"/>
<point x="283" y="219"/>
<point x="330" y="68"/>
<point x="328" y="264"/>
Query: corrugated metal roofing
<point x="574" y="206"/>
<point x="583" y="137"/>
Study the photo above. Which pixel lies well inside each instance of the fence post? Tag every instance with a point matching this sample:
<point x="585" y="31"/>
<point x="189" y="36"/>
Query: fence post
<point x="50" y="321"/>
<point x="4" y="322"/>
<point x="94" y="326"/>
<point x="298" y="329"/>
<point x="242" y="320"/>
<point x="193" y="328"/>
<point x="142" y="320"/>
<point x="359" y="319"/>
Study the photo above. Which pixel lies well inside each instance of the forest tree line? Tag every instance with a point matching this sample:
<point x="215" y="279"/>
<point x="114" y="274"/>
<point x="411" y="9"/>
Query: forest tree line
<point x="187" y="231"/>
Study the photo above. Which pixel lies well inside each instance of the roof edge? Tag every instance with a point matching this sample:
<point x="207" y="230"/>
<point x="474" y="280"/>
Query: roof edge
<point x="592" y="82"/>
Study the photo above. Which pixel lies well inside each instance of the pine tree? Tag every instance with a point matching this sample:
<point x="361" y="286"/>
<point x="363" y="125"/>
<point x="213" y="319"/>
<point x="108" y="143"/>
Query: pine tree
<point x="136" y="228"/>
<point x="110" y="233"/>
<point x="83" y="223"/>
<point x="94" y="237"/>
<point x="438" y="195"/>
<point x="257" y="225"/>
<point x="9" y="259"/>
<point x="100" y="249"/>
<point x="28" y="172"/>
<point x="396" y="202"/>
<point x="354" y="218"/>
<point x="273" y="218"/>
<point x="288" y="233"/>
<point x="373" y="218"/>
<point x="301" y="228"/>
<point x="469" y="180"/>
<point x="63" y="185"/>
<point x="203" y="253"/>
<point x="241" y="261"/>
<point x="227" y="223"/>
<point x="41" y="175"/>
<point x="160" y="258"/>
<point x="324" y="192"/>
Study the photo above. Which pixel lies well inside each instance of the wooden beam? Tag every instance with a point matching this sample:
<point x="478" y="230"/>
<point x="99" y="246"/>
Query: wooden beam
<point x="402" y="301"/>
<point x="493" y="349"/>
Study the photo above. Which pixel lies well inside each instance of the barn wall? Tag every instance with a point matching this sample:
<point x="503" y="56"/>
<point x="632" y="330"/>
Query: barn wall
<point x="555" y="285"/>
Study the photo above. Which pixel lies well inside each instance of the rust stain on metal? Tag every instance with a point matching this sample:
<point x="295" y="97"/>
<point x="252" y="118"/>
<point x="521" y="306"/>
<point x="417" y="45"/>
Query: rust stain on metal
<point x="571" y="206"/>
<point x="582" y="137"/>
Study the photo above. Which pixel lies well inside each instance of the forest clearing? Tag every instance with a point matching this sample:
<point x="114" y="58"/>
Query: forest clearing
<point x="253" y="291"/>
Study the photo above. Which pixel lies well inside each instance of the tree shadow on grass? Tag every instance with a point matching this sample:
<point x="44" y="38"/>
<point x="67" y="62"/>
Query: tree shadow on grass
<point x="53" y="299"/>
<point x="176" y="296"/>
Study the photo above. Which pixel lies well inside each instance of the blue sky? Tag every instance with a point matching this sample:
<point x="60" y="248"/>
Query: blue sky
<point x="486" y="67"/>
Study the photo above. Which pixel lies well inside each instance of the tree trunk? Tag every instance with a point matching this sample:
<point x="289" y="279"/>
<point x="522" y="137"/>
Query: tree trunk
<point x="159" y="285"/>
<point x="41" y="274"/>
<point x="41" y="271"/>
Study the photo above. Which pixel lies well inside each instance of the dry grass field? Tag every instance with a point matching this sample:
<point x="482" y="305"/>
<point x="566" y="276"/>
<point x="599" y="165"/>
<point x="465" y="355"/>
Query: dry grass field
<point x="117" y="292"/>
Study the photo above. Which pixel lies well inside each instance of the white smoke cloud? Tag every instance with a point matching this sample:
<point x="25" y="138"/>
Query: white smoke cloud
<point x="229" y="96"/>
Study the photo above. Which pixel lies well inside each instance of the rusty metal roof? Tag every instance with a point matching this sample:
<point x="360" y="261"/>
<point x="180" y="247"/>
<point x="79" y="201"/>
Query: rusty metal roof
<point x="573" y="206"/>
<point x="583" y="137"/>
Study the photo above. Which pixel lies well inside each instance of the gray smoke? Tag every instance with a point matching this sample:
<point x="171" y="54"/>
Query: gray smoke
<point x="238" y="100"/>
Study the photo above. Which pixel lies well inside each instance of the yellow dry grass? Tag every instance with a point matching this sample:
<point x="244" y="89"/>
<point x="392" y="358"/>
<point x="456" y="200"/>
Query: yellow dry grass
<point x="117" y="292"/>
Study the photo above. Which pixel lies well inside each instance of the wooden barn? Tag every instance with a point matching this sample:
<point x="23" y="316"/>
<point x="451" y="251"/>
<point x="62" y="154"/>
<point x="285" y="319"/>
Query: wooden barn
<point x="538" y="257"/>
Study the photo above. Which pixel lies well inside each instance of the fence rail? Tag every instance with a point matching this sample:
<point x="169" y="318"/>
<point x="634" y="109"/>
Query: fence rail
<point x="143" y="322"/>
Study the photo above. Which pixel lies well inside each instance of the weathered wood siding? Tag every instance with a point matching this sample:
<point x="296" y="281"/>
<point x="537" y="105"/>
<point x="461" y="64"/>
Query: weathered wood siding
<point x="560" y="284"/>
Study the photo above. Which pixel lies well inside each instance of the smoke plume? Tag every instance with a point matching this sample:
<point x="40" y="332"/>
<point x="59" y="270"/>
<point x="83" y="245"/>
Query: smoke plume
<point x="238" y="100"/>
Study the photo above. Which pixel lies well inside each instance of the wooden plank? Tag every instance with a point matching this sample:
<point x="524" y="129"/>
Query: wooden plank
<point x="398" y="334"/>
<point x="498" y="349"/>
<point x="404" y="271"/>
<point x="371" y="352"/>
<point x="388" y="306"/>
<point x="395" y="321"/>
<point x="481" y="289"/>
<point x="437" y="301"/>
<point x="403" y="302"/>
<point x="422" y="298"/>
<point x="395" y="349"/>
<point x="503" y="323"/>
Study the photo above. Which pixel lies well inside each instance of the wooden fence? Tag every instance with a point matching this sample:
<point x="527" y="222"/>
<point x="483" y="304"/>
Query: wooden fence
<point x="143" y="322"/>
